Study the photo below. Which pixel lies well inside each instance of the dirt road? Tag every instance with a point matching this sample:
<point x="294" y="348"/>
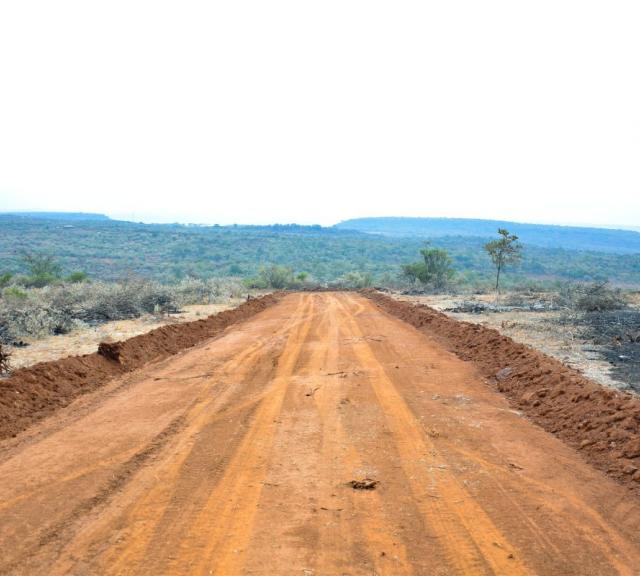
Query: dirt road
<point x="238" y="456"/>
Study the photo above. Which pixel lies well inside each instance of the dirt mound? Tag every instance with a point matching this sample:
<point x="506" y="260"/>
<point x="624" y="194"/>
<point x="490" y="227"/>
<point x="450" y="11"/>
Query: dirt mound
<point x="603" y="424"/>
<point x="33" y="393"/>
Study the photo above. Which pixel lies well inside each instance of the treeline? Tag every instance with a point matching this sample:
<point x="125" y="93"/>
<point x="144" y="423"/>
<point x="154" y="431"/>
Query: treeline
<point x="111" y="250"/>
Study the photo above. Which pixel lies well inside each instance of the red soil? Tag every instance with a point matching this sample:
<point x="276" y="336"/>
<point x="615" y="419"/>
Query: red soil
<point x="33" y="393"/>
<point x="603" y="424"/>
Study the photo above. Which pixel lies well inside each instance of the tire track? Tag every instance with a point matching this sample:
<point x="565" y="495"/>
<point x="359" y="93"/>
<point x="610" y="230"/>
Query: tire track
<point x="220" y="533"/>
<point x="474" y="545"/>
<point x="142" y="522"/>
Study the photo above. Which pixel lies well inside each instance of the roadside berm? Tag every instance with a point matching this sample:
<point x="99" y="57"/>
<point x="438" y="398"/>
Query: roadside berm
<point x="604" y="424"/>
<point x="37" y="391"/>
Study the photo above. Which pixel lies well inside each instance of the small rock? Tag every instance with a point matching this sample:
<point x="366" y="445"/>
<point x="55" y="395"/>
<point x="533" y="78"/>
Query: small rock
<point x="364" y="484"/>
<point x="632" y="450"/>
<point x="504" y="373"/>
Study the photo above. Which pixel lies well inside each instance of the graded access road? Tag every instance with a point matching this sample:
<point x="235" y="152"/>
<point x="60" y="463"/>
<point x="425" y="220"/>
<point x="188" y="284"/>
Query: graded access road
<point x="320" y="437"/>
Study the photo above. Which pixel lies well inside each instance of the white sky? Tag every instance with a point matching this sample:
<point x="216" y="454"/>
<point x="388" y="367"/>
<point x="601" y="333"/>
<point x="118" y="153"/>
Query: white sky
<point x="314" y="112"/>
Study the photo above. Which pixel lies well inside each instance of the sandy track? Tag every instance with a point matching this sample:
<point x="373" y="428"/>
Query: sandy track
<point x="235" y="457"/>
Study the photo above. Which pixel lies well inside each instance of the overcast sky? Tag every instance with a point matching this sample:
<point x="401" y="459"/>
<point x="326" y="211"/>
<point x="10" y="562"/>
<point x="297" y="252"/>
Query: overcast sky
<point x="313" y="112"/>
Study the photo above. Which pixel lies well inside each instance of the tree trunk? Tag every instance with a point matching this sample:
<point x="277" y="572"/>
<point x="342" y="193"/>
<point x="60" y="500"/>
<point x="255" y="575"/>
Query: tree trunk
<point x="498" y="283"/>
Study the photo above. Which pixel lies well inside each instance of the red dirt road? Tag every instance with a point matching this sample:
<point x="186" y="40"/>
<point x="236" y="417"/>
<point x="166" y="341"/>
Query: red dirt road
<point x="236" y="457"/>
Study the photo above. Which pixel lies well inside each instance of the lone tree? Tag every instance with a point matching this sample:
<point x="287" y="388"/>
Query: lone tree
<point x="505" y="250"/>
<point x="435" y="268"/>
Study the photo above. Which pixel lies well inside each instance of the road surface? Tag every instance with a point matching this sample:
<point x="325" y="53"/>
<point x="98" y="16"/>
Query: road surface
<point x="252" y="454"/>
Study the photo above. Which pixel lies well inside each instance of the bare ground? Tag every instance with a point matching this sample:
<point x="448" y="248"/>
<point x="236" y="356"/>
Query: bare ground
<point x="246" y="454"/>
<point x="546" y="331"/>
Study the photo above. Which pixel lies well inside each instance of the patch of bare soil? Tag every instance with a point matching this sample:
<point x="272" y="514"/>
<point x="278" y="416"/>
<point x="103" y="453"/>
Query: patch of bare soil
<point x="32" y="393"/>
<point x="603" y="424"/>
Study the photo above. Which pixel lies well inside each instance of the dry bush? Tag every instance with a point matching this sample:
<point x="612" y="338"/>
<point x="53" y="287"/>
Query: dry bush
<point x="211" y="291"/>
<point x="38" y="312"/>
<point x="4" y="360"/>
<point x="595" y="297"/>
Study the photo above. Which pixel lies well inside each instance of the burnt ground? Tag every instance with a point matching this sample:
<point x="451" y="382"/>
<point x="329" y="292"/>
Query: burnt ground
<point x="617" y="334"/>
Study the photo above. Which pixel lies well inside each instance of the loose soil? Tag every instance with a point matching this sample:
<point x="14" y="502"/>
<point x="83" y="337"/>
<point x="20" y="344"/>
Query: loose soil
<point x="37" y="391"/>
<point x="244" y="454"/>
<point x="603" y="424"/>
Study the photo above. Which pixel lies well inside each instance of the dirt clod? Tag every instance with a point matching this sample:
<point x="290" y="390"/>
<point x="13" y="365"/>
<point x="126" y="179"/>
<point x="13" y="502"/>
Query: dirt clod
<point x="364" y="484"/>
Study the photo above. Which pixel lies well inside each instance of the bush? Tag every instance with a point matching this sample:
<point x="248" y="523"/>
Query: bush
<point x="354" y="281"/>
<point x="276" y="278"/>
<point x="13" y="292"/>
<point x="211" y="290"/>
<point x="57" y="309"/>
<point x="4" y="360"/>
<point x="435" y="269"/>
<point x="76" y="277"/>
<point x="595" y="297"/>
<point x="43" y="270"/>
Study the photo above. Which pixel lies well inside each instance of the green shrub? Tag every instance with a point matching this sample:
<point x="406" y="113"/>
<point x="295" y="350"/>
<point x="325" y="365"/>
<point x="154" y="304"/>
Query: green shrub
<point x="76" y="277"/>
<point x="356" y="280"/>
<point x="435" y="269"/>
<point x="43" y="270"/>
<point x="14" y="292"/>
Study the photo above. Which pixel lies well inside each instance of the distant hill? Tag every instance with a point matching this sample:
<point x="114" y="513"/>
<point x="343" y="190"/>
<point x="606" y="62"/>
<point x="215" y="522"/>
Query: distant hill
<point x="68" y="216"/>
<point x="544" y="235"/>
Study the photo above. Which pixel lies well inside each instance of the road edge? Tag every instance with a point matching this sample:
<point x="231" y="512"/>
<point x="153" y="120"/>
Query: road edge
<point x="602" y="424"/>
<point x="35" y="392"/>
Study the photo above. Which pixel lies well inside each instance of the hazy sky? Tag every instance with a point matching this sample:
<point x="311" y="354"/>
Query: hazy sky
<point x="272" y="111"/>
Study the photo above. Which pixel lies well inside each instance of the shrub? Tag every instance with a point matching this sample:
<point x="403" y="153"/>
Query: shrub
<point x="4" y="360"/>
<point x="435" y="269"/>
<point x="13" y="292"/>
<point x="76" y="277"/>
<point x="211" y="290"/>
<point x="59" y="308"/>
<point x="274" y="277"/>
<point x="277" y="277"/>
<point x="43" y="270"/>
<point x="595" y="297"/>
<point x="356" y="280"/>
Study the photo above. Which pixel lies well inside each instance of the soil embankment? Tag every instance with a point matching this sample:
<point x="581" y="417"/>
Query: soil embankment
<point x="32" y="393"/>
<point x="603" y="424"/>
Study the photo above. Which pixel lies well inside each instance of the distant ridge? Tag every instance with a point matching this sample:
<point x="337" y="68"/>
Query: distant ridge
<point x="58" y="215"/>
<point x="544" y="235"/>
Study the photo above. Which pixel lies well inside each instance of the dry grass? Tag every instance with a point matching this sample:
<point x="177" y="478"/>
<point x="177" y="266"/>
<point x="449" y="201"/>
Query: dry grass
<point x="61" y="309"/>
